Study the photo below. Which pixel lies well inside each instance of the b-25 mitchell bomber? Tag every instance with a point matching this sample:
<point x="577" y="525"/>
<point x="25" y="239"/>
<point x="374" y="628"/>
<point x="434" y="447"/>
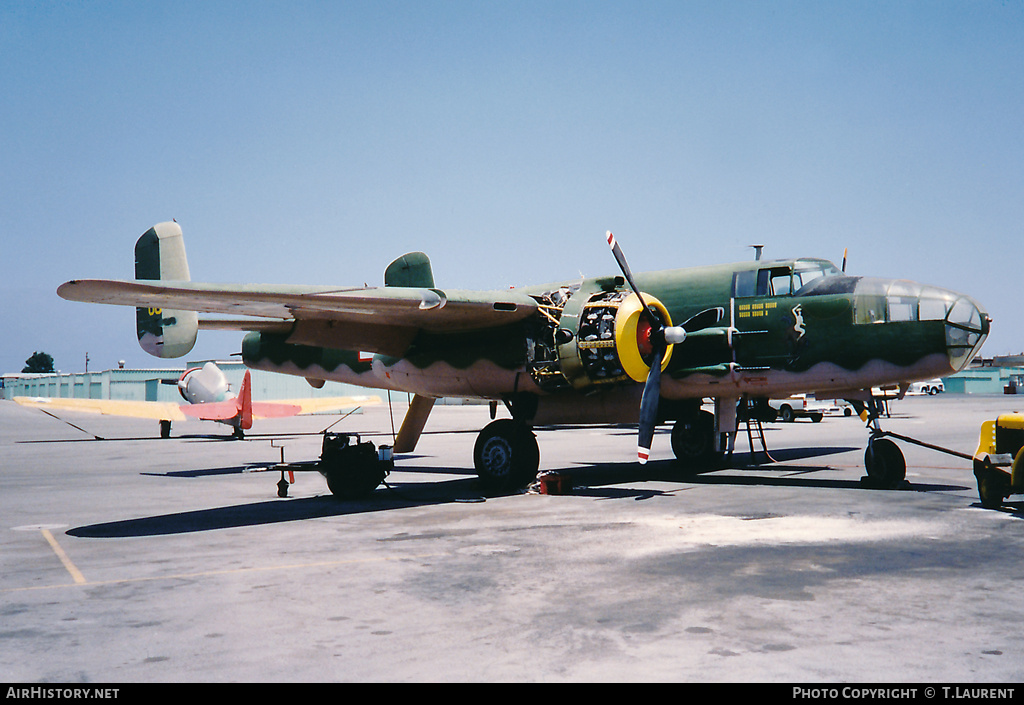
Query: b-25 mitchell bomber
<point x="645" y="349"/>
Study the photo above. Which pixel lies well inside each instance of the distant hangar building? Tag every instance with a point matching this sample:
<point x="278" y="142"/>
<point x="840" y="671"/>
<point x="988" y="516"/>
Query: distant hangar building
<point x="160" y="384"/>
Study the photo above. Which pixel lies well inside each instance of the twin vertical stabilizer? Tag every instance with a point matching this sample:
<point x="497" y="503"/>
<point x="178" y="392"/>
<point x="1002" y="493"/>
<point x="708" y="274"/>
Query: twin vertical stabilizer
<point x="160" y="254"/>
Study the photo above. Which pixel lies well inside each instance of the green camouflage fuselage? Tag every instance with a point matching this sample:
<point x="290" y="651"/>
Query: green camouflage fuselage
<point x="788" y="326"/>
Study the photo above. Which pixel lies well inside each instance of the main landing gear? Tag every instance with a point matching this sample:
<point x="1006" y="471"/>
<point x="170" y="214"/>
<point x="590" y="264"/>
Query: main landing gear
<point x="506" y="456"/>
<point x="693" y="441"/>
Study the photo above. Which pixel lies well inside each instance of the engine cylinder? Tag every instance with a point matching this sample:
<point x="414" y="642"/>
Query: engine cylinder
<point x="611" y="344"/>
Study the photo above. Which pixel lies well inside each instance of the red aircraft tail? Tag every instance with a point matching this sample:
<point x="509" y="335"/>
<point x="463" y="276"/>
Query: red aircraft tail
<point x="244" y="402"/>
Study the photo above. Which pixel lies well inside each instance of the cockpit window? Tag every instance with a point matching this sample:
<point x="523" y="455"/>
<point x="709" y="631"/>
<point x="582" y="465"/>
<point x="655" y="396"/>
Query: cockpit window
<point x="774" y="281"/>
<point x="892" y="301"/>
<point x="807" y="273"/>
<point x="783" y="279"/>
<point x="901" y="300"/>
<point x="935" y="304"/>
<point x="781" y="283"/>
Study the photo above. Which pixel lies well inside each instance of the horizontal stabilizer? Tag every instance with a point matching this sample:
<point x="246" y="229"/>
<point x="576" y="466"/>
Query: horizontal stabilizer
<point x="211" y="411"/>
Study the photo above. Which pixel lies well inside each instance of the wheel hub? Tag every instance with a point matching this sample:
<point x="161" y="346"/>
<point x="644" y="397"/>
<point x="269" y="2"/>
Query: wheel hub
<point x="497" y="456"/>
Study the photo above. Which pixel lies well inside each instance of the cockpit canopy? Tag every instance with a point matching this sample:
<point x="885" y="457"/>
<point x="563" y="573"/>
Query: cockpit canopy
<point x="797" y="278"/>
<point x="898" y="300"/>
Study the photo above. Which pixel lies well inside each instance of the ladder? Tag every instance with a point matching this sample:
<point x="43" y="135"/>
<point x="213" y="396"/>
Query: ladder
<point x="755" y="431"/>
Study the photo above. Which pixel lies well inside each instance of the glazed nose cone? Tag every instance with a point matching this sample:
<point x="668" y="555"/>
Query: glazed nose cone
<point x="967" y="326"/>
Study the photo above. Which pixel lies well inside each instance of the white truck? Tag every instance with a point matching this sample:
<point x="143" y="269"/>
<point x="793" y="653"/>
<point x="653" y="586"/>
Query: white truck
<point x="803" y="406"/>
<point x="932" y="386"/>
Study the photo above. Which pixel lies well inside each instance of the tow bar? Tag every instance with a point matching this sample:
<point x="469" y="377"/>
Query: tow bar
<point x="931" y="446"/>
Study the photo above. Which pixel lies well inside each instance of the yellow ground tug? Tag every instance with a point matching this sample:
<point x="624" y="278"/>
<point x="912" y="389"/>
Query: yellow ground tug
<point x="999" y="461"/>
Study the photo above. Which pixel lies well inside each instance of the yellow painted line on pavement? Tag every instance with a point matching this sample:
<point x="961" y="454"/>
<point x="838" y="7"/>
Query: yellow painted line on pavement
<point x="76" y="574"/>
<point x="80" y="579"/>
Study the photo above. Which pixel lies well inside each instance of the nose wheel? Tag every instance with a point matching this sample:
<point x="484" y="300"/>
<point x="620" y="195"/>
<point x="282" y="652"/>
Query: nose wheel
<point x="886" y="467"/>
<point x="885" y="464"/>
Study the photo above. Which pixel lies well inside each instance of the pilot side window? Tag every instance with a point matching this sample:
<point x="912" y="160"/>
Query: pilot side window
<point x="782" y="282"/>
<point x="744" y="284"/>
<point x="776" y="281"/>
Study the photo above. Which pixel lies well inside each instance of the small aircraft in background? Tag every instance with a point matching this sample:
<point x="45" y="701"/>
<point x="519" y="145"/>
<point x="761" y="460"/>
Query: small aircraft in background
<point x="592" y="350"/>
<point x="209" y="398"/>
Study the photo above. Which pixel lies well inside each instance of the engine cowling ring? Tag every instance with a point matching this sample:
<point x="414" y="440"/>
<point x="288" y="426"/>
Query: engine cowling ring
<point x="632" y="336"/>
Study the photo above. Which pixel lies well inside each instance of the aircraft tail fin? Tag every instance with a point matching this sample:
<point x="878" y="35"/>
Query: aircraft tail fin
<point x="245" y="402"/>
<point x="412" y="270"/>
<point x="160" y="254"/>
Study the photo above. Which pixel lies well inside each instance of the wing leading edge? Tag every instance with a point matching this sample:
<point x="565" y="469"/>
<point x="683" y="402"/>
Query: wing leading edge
<point x="371" y="312"/>
<point x="210" y="411"/>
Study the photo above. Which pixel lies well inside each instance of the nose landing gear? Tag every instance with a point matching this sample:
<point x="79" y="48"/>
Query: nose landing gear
<point x="884" y="461"/>
<point x="885" y="464"/>
<point x="887" y="468"/>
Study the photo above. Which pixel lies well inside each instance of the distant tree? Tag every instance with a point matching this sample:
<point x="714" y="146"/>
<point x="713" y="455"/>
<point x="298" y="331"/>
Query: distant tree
<point x="39" y="362"/>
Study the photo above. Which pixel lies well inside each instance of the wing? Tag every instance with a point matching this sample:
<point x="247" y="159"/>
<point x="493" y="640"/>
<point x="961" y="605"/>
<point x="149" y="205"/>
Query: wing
<point x="278" y="409"/>
<point x="383" y="319"/>
<point x="299" y="407"/>
<point x="163" y="411"/>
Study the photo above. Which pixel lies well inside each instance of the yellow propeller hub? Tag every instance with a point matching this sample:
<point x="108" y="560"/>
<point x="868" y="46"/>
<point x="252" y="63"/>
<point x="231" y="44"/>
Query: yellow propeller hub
<point x="632" y="336"/>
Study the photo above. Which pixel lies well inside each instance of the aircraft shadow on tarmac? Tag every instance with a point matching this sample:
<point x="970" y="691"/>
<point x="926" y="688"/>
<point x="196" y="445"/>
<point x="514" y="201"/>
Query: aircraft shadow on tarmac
<point x="617" y="480"/>
<point x="602" y="479"/>
<point x="274" y="511"/>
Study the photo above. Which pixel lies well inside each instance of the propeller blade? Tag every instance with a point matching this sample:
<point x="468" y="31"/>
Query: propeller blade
<point x="661" y="337"/>
<point x="649" y="407"/>
<point x="654" y="318"/>
<point x="621" y="259"/>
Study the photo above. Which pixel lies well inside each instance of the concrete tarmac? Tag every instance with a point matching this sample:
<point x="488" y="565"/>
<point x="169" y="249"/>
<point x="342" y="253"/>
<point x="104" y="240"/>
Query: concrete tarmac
<point x="135" y="559"/>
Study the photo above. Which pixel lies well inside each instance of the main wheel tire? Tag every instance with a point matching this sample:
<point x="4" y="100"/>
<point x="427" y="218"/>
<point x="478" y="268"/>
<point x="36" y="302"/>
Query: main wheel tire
<point x="506" y="456"/>
<point x="693" y="440"/>
<point x="885" y="464"/>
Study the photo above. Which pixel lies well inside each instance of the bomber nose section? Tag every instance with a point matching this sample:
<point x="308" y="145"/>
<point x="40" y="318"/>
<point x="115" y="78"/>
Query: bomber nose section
<point x="967" y="326"/>
<point x="930" y="320"/>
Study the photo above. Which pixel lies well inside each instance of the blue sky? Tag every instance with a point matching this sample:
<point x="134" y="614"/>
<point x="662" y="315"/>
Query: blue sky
<point x="314" y="142"/>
